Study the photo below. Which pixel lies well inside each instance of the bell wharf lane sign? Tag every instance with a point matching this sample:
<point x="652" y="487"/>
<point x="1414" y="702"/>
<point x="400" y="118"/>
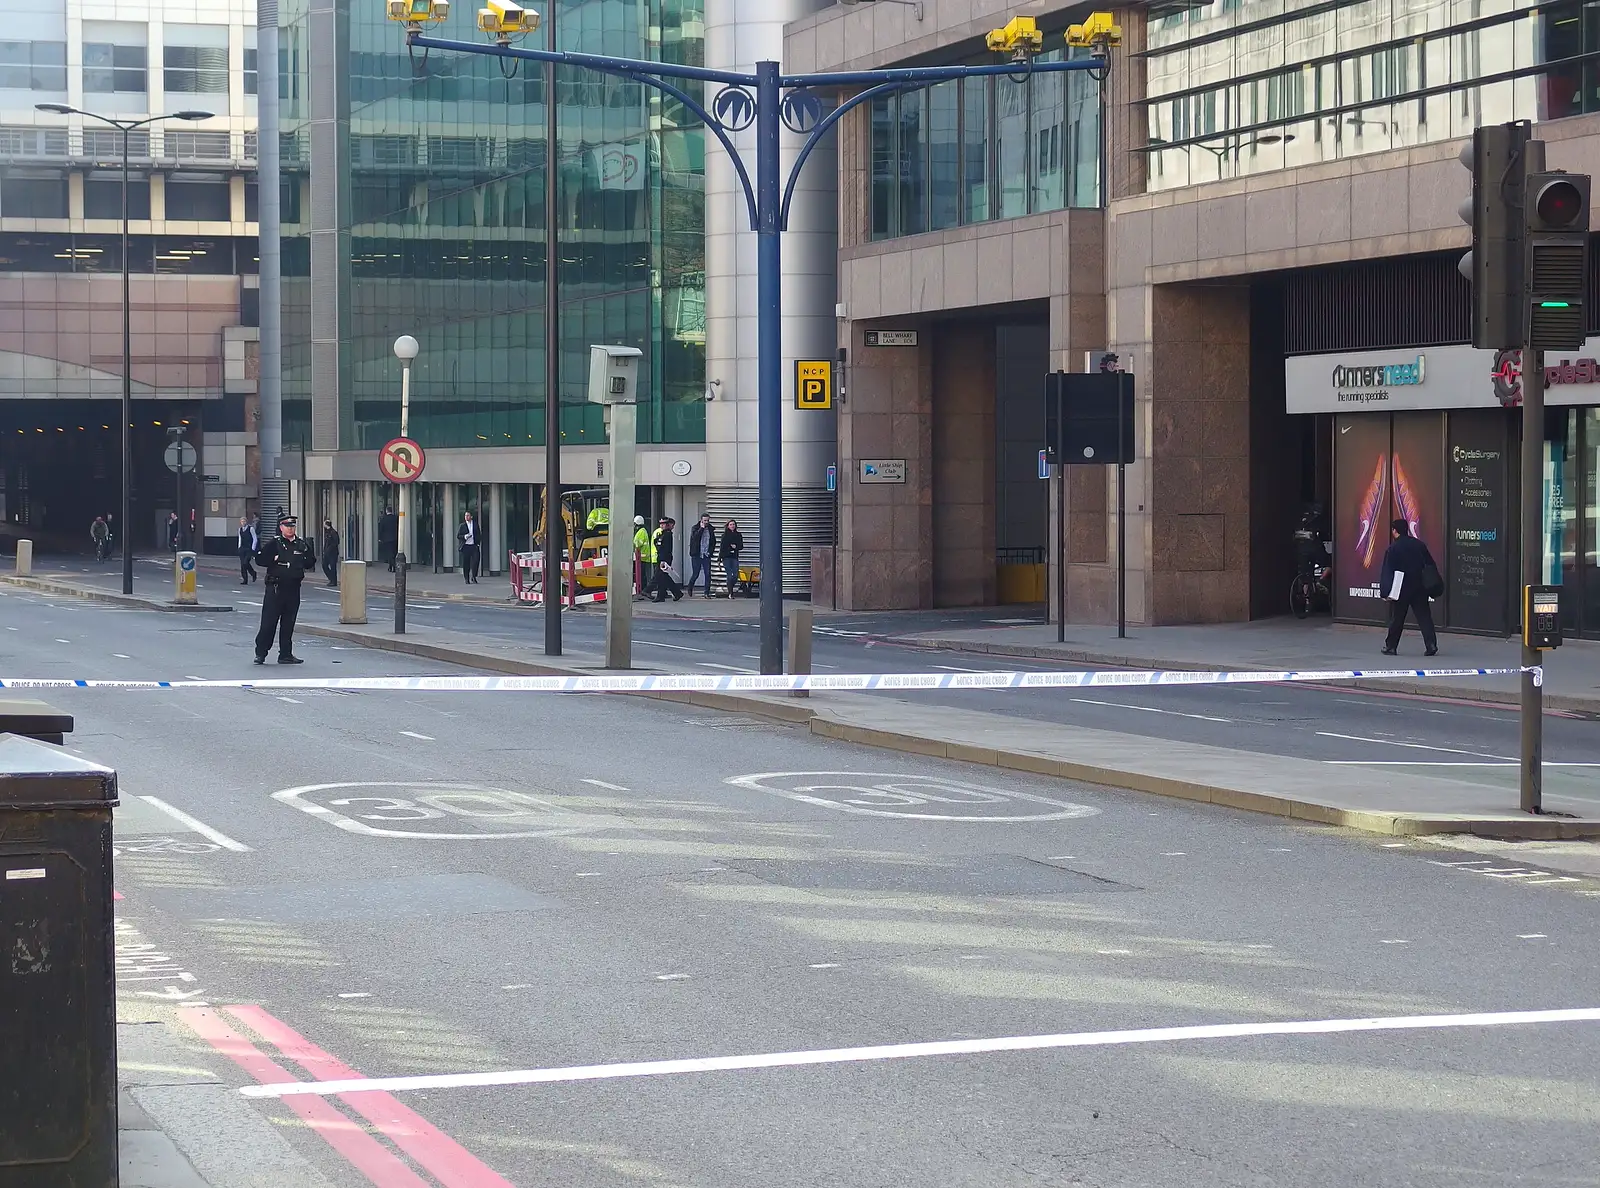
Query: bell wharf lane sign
<point x="891" y="338"/>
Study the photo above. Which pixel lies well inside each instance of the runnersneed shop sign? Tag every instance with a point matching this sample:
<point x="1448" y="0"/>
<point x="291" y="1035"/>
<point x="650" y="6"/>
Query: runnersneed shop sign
<point x="1436" y="378"/>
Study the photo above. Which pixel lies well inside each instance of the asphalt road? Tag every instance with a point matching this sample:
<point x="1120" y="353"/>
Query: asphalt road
<point x="511" y="882"/>
<point x="1328" y="724"/>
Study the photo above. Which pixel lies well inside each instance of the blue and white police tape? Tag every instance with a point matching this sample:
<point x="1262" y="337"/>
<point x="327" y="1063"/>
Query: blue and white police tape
<point x="753" y="683"/>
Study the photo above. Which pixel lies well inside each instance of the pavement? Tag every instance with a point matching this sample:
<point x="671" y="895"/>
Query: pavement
<point x="521" y="898"/>
<point x="1452" y="769"/>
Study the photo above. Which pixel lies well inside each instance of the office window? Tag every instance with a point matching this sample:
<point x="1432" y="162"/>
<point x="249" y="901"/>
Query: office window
<point x="885" y="114"/>
<point x="102" y="198"/>
<point x="195" y="70"/>
<point x="1048" y="131"/>
<point x="33" y="197"/>
<point x="913" y="165"/>
<point x="114" y="69"/>
<point x="944" y="155"/>
<point x="975" y="150"/>
<point x="33" y="65"/>
<point x="1011" y="144"/>
<point x="250" y="73"/>
<point x="207" y="201"/>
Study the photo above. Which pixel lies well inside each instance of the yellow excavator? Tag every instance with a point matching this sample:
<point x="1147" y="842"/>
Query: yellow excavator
<point x="580" y="544"/>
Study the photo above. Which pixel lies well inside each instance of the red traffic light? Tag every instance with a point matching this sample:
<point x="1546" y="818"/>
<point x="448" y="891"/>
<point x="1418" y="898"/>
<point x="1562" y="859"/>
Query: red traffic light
<point x="1560" y="204"/>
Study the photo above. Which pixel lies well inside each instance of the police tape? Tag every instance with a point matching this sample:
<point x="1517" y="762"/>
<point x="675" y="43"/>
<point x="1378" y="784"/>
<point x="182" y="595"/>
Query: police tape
<point x="754" y="683"/>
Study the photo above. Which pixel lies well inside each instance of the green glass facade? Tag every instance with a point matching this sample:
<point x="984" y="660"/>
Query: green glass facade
<point x="442" y="229"/>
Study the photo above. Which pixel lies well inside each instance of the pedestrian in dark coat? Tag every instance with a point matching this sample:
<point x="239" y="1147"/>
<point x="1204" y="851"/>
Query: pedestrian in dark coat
<point x="330" y="554"/>
<point x="1408" y="569"/>
<point x="388" y="537"/>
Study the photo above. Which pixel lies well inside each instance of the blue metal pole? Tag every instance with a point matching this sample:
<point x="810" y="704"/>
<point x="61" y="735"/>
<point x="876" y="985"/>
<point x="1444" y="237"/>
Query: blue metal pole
<point x="770" y="366"/>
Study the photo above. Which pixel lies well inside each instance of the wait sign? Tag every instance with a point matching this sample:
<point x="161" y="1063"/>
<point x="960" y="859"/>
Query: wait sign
<point x="813" y="384"/>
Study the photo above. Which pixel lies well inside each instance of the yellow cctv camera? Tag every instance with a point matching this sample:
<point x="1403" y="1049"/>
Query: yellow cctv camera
<point x="507" y="20"/>
<point x="1098" y="33"/>
<point x="1020" y="38"/>
<point x="415" y="12"/>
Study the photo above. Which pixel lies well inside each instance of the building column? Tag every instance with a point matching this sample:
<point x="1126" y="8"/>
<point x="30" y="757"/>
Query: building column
<point x="495" y="534"/>
<point x="445" y="500"/>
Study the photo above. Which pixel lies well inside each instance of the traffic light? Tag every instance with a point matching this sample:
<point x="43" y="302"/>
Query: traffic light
<point x="1556" y="247"/>
<point x="1498" y="159"/>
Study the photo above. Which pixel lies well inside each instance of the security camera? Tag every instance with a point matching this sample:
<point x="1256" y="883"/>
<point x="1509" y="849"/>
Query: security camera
<point x="415" y="12"/>
<point x="712" y="387"/>
<point x="504" y="19"/>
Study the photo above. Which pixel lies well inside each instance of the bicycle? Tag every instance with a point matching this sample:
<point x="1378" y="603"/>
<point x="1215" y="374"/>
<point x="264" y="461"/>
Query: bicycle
<point x="1313" y="581"/>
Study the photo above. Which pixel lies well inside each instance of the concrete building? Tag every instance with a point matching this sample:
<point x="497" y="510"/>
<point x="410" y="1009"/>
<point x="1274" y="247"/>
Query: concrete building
<point x="1266" y="237"/>
<point x="192" y="252"/>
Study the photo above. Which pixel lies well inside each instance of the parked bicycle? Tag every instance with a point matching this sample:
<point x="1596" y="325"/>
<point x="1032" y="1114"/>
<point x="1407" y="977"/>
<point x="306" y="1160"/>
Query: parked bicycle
<point x="1312" y="587"/>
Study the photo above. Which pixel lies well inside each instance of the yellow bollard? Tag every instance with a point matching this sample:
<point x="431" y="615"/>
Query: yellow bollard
<point x="184" y="572"/>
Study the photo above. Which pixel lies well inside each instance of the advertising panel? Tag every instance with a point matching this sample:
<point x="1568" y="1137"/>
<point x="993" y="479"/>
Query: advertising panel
<point x="1476" y="569"/>
<point x="1417" y="488"/>
<point x="1361" y="515"/>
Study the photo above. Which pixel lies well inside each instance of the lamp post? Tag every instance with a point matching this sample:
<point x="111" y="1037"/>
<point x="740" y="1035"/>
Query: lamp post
<point x="125" y="127"/>
<point x="406" y="349"/>
<point x="766" y="100"/>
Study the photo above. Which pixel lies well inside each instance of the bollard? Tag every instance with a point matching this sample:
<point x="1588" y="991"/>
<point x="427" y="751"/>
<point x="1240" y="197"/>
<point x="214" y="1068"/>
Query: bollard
<point x="24" y="558"/>
<point x="352" y="591"/>
<point x="184" y="573"/>
<point x="58" y="1041"/>
<point x="400" y="594"/>
<point x="800" y="620"/>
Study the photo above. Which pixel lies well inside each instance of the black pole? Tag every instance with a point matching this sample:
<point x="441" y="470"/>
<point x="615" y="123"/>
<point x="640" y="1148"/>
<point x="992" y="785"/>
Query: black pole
<point x="127" y="388"/>
<point x="1531" y="783"/>
<point x="1122" y="514"/>
<point x="400" y="565"/>
<point x="769" y="350"/>
<point x="552" y="355"/>
<point x="1061" y="551"/>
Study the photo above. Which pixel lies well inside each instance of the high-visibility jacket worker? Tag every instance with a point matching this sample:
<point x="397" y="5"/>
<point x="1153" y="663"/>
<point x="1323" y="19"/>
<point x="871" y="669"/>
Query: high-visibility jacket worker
<point x="643" y="547"/>
<point x="599" y="517"/>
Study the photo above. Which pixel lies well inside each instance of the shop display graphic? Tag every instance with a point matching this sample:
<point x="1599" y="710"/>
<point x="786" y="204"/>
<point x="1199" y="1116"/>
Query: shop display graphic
<point x="1405" y="498"/>
<point x="1371" y="513"/>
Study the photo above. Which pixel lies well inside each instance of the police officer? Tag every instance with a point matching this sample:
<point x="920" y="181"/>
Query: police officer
<point x="284" y="563"/>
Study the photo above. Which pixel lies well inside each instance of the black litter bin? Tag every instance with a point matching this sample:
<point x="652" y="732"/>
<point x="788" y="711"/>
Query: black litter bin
<point x="58" y="1058"/>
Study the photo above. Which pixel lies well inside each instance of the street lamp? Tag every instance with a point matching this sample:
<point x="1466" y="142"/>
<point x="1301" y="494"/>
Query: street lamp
<point x="406" y="349"/>
<point x="125" y="126"/>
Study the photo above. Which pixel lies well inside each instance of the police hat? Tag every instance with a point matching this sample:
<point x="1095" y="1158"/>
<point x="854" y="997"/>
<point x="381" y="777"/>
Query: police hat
<point x="291" y="521"/>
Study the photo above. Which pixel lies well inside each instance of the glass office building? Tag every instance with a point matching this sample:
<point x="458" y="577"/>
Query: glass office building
<point x="414" y="203"/>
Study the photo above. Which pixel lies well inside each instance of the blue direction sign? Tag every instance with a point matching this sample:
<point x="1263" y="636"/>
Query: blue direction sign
<point x="1044" y="464"/>
<point x="833" y="478"/>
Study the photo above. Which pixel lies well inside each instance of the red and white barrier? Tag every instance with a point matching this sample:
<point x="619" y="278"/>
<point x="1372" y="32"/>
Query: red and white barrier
<point x="527" y="579"/>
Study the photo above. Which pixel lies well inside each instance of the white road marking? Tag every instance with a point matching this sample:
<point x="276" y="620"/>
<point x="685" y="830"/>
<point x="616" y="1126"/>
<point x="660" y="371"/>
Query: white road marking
<point x="1174" y="853"/>
<point x="423" y="737"/>
<point x="1114" y="952"/>
<point x="1532" y="936"/>
<point x="969" y="1047"/>
<point x="517" y="986"/>
<point x="355" y="996"/>
<point x="606" y="786"/>
<point x="588" y="874"/>
<point x="672" y="977"/>
<point x="827" y="965"/>
<point x="200" y="827"/>
<point x="246" y="602"/>
<point x="650" y="643"/>
<point x="1396" y="845"/>
<point x="65" y="641"/>
<point x="1393" y="942"/>
<point x="1414" y="746"/>
<point x="1149" y="709"/>
<point x="118" y="655"/>
<point x="189" y="676"/>
<point x="291" y="700"/>
<point x="1439" y="762"/>
<point x="956" y="668"/>
<point x="727" y="667"/>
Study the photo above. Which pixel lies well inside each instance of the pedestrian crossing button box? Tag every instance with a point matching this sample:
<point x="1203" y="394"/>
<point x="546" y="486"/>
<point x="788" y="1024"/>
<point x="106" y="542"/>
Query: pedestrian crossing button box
<point x="58" y="1043"/>
<point x="1541" y="617"/>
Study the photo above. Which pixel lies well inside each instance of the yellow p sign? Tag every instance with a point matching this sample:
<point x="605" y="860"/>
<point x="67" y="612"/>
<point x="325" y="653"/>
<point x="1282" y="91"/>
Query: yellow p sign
<point x="813" y="383"/>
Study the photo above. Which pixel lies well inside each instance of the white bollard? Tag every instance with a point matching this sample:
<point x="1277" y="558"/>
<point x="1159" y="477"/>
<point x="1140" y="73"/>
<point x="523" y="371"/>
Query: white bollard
<point x="24" y="558"/>
<point x="352" y="591"/>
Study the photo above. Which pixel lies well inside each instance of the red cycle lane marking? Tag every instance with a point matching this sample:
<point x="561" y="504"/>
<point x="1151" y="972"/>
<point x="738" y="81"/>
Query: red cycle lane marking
<point x="441" y="1155"/>
<point x="365" y="1153"/>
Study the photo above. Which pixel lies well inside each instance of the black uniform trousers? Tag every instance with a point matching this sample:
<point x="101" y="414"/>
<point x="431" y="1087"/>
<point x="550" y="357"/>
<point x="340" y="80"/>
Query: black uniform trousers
<point x="1417" y="603"/>
<point x="280" y="606"/>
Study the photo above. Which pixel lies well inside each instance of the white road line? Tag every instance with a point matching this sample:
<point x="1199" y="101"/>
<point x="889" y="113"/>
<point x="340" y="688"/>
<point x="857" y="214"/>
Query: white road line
<point x="1440" y="763"/>
<point x="200" y="827"/>
<point x="118" y="655"/>
<point x="1025" y="1043"/>
<point x="1389" y="742"/>
<point x="65" y="641"/>
<point x="650" y="643"/>
<point x="606" y="786"/>
<point x="1149" y="709"/>
<point x="955" y="668"/>
<point x="727" y="667"/>
<point x="423" y="737"/>
<point x="246" y="602"/>
<point x="291" y="700"/>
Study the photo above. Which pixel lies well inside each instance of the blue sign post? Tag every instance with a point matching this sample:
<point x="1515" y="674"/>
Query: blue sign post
<point x="833" y="478"/>
<point x="1044" y="464"/>
<point x="767" y="100"/>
